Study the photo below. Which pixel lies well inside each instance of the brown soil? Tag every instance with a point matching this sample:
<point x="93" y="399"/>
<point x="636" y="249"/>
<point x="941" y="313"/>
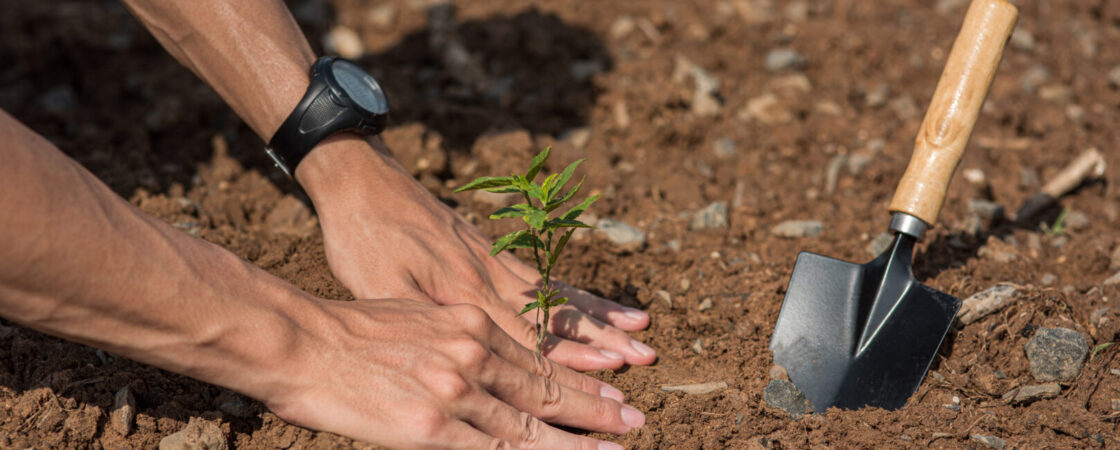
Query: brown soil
<point x="146" y="126"/>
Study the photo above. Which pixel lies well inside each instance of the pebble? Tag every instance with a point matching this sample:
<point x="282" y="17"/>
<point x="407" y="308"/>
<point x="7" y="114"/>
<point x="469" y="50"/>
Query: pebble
<point x="783" y="58"/>
<point x="975" y="176"/>
<point x="880" y="244"/>
<point x="1048" y="279"/>
<point x="1033" y="393"/>
<point x="1033" y="78"/>
<point x="59" y="99"/>
<point x="778" y="373"/>
<point x="985" y="302"/>
<point x="674" y="245"/>
<point x="696" y="389"/>
<point x="685" y="284"/>
<point x="344" y="41"/>
<point x="766" y="109"/>
<point x="1076" y="220"/>
<point x="797" y="229"/>
<point x="1023" y="40"/>
<point x="990" y="441"/>
<point x="986" y="209"/>
<point x="705" y="305"/>
<point x="1059" y="241"/>
<point x="785" y="396"/>
<point x="123" y="414"/>
<point x="724" y="148"/>
<point x="382" y="16"/>
<point x="665" y="295"/>
<point x="578" y="137"/>
<point x="235" y="405"/>
<point x="712" y="217"/>
<point x="621" y="27"/>
<point x="877" y="95"/>
<point x="1056" y="354"/>
<point x="698" y="346"/>
<point x="621" y="115"/>
<point x="1114" y="279"/>
<point x="622" y="234"/>
<point x="1028" y="178"/>
<point x="199" y="434"/>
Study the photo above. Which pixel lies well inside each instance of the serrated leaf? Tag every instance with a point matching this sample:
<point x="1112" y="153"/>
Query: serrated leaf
<point x="506" y="241"/>
<point x="552" y="257"/>
<point x="556" y="203"/>
<point x="574" y="213"/>
<point x="536" y="218"/>
<point x="519" y="210"/>
<point x="538" y="162"/>
<point x="529" y="307"/>
<point x="563" y="179"/>
<point x="486" y="182"/>
<point x="546" y="187"/>
<point x="559" y="301"/>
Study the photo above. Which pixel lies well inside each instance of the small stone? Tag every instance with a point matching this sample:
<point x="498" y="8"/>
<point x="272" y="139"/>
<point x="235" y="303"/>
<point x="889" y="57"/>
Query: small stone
<point x="1048" y="279"/>
<point x="797" y="229"/>
<point x="1059" y="241"/>
<point x="724" y="148"/>
<point x="59" y="99"/>
<point x="685" y="284"/>
<point x="990" y="441"/>
<point x="785" y="396"/>
<point x="578" y="137"/>
<point x="621" y="27"/>
<point x="829" y="108"/>
<point x="1033" y="393"/>
<point x="1022" y="39"/>
<point x="1055" y="93"/>
<point x="705" y="305"/>
<point x="1114" y="259"/>
<point x="621" y="234"/>
<point x="344" y="41"/>
<point x="291" y="216"/>
<point x="880" y="244"/>
<point x="1076" y="220"/>
<point x="199" y="434"/>
<point x="621" y="115"/>
<point x="782" y="59"/>
<point x="1114" y="279"/>
<point x="235" y="405"/>
<point x="1028" y="178"/>
<point x="877" y="95"/>
<point x="712" y="217"/>
<point x="698" y="346"/>
<point x="696" y="389"/>
<point x="674" y="245"/>
<point x="123" y="414"/>
<point x="986" y="209"/>
<point x="985" y="302"/>
<point x="832" y="172"/>
<point x="766" y="109"/>
<point x="778" y="373"/>
<point x="975" y="176"/>
<point x="1056" y="354"/>
<point x="665" y="296"/>
<point x="382" y="16"/>
<point x="1033" y="78"/>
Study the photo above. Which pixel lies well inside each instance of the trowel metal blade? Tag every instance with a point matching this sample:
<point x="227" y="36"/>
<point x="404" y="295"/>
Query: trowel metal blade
<point x="853" y="335"/>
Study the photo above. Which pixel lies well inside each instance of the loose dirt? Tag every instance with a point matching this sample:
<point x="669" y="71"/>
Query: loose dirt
<point x="615" y="82"/>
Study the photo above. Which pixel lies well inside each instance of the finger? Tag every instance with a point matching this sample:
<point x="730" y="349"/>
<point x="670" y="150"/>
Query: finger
<point x="545" y="398"/>
<point x="494" y="417"/>
<point x="575" y="325"/>
<point x="578" y="356"/>
<point x="623" y="317"/>
<point x="461" y="435"/>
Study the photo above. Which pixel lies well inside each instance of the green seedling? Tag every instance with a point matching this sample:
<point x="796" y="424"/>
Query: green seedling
<point x="1099" y="348"/>
<point x="545" y="233"/>
<point x="1059" y="226"/>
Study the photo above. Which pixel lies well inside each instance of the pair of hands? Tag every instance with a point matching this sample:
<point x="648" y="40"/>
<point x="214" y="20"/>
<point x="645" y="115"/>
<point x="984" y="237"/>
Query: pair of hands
<point x="452" y="361"/>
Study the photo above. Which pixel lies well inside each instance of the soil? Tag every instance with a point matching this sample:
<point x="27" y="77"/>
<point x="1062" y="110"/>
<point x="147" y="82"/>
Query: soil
<point x="596" y="80"/>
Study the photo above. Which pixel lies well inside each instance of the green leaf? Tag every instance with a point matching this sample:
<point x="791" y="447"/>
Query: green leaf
<point x="511" y="211"/>
<point x="558" y="302"/>
<point x="535" y="218"/>
<point x="506" y="241"/>
<point x="546" y="187"/>
<point x="486" y="182"/>
<point x="538" y="162"/>
<point x="502" y="190"/>
<point x="560" y="222"/>
<point x="564" y="177"/>
<point x="556" y="203"/>
<point x="529" y="307"/>
<point x="552" y="257"/>
<point x="521" y="184"/>
<point x="526" y="241"/>
<point x="574" y="213"/>
<point x="1099" y="348"/>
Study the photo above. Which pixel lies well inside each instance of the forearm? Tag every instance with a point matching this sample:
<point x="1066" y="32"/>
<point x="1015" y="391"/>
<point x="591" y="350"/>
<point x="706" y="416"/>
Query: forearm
<point x="79" y="262"/>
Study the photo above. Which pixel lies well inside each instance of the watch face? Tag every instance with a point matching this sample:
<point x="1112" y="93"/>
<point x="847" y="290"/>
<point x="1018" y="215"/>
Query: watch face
<point x="361" y="87"/>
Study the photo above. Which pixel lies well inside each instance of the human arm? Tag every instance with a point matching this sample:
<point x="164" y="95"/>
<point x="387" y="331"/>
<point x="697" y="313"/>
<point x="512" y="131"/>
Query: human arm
<point x="79" y="262"/>
<point x="385" y="235"/>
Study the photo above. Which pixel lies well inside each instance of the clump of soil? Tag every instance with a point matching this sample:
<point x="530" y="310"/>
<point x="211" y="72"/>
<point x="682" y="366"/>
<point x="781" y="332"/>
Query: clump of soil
<point x="791" y="111"/>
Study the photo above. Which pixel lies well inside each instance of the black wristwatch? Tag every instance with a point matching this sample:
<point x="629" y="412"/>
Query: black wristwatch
<point x="341" y="97"/>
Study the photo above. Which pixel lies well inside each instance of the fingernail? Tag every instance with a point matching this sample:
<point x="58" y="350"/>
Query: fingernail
<point x="642" y="348"/>
<point x="632" y="417"/>
<point x="634" y="313"/>
<point x="609" y="446"/>
<point x="611" y="355"/>
<point x="610" y="392"/>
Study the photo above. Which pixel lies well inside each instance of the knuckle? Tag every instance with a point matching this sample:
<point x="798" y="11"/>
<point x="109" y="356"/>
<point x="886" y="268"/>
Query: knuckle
<point x="429" y="423"/>
<point x="499" y="444"/>
<point x="449" y="387"/>
<point x="551" y="397"/>
<point x="472" y="317"/>
<point x="543" y="368"/>
<point x="469" y="353"/>
<point x="530" y="433"/>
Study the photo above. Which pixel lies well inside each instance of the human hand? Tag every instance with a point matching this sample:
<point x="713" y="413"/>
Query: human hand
<point x="387" y="236"/>
<point x="407" y="374"/>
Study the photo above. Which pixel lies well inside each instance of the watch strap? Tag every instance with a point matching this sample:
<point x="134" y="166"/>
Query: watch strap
<point x="318" y="115"/>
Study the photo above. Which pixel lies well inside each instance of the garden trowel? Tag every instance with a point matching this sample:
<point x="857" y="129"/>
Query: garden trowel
<point x="853" y="335"/>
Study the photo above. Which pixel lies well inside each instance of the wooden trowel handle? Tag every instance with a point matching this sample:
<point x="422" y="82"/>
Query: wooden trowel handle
<point x="952" y="112"/>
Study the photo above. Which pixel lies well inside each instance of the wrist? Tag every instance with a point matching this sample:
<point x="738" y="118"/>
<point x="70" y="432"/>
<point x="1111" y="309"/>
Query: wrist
<point x="343" y="166"/>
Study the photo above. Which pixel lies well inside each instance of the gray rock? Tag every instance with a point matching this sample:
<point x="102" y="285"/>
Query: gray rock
<point x="797" y="229"/>
<point x="782" y="59"/>
<point x="990" y="441"/>
<point x="711" y="217"/>
<point x="785" y="396"/>
<point x="880" y="244"/>
<point x="235" y="405"/>
<point x="123" y="414"/>
<point x="697" y="389"/>
<point x="1048" y="279"/>
<point x="724" y="148"/>
<point x="199" y="434"/>
<point x="59" y="99"/>
<point x="1029" y="394"/>
<point x="621" y="234"/>
<point x="986" y="209"/>
<point x="1076" y="220"/>
<point x="1056" y="354"/>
